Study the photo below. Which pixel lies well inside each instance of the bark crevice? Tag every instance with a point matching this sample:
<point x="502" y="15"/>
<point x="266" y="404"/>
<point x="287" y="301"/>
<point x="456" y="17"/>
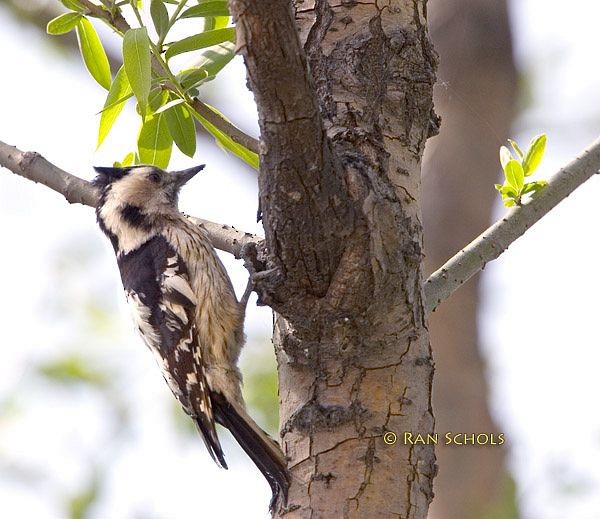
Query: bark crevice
<point x="339" y="191"/>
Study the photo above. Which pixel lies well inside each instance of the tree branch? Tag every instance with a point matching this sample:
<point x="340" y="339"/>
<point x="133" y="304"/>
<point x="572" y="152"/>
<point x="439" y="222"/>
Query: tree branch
<point x="440" y="285"/>
<point x="301" y="195"/>
<point x="118" y="22"/>
<point x="496" y="239"/>
<point x="34" y="167"/>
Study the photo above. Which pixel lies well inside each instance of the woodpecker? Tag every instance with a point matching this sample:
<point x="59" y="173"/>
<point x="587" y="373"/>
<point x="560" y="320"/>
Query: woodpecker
<point x="184" y="307"/>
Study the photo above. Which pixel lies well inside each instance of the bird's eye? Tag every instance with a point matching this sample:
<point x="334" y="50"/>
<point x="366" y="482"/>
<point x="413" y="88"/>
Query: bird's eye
<point x="154" y="177"/>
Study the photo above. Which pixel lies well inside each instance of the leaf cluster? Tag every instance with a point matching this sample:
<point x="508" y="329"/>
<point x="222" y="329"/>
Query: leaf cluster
<point x="164" y="97"/>
<point x="517" y="169"/>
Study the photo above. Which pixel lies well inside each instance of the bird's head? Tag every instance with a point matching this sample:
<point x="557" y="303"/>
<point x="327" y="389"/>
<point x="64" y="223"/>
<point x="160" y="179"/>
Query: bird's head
<point x="148" y="188"/>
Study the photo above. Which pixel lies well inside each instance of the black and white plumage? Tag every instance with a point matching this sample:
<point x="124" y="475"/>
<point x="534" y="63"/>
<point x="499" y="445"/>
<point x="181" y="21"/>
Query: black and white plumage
<point x="184" y="306"/>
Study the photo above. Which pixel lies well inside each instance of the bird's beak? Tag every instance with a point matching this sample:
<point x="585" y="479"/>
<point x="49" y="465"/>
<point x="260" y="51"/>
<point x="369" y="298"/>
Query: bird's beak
<point x="179" y="178"/>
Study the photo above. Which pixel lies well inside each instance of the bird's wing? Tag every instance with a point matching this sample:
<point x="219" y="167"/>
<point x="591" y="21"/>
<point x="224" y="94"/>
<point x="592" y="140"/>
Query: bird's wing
<point x="157" y="285"/>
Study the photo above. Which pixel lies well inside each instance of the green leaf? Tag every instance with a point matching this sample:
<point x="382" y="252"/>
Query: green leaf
<point x="155" y="142"/>
<point x="515" y="147"/>
<point x="226" y="142"/>
<point x="220" y="22"/>
<point x="63" y="24"/>
<point x="93" y="53"/>
<point x="514" y="174"/>
<point x="170" y="104"/>
<point x="119" y="92"/>
<point x="136" y="60"/>
<point x="509" y="202"/>
<point x="74" y="5"/>
<point x="505" y="156"/>
<point x="508" y="191"/>
<point x="534" y="154"/>
<point x="191" y="77"/>
<point x="128" y="160"/>
<point x="160" y="17"/>
<point x="200" y="41"/>
<point x="115" y="103"/>
<point x="157" y="98"/>
<point x="205" y="9"/>
<point x="210" y="24"/>
<point x="217" y="22"/>
<point x="213" y="60"/>
<point x="534" y="187"/>
<point x="182" y="129"/>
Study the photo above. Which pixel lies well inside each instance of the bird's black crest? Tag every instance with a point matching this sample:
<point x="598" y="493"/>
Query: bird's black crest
<point x="107" y="175"/>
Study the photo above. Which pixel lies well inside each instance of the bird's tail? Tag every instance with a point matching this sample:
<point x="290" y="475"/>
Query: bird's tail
<point x="258" y="445"/>
<point x="208" y="433"/>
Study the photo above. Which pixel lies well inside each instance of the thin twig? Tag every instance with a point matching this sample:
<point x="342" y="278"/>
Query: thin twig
<point x="495" y="240"/>
<point x="115" y="20"/>
<point x="34" y="167"/>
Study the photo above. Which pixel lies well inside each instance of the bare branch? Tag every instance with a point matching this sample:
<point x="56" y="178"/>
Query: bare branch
<point x="227" y="238"/>
<point x="34" y="167"/>
<point x="118" y="22"/>
<point x="495" y="240"/>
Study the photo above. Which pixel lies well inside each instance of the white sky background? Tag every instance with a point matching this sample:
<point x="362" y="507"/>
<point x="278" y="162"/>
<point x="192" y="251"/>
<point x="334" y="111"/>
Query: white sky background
<point x="541" y="332"/>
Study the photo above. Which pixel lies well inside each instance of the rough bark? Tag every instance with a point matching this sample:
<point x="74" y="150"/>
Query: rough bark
<point x="475" y="98"/>
<point x="339" y="189"/>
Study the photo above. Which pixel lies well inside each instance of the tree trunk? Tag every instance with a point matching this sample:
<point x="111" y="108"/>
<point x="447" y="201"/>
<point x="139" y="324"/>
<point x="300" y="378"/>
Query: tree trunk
<point x="476" y="101"/>
<point x="342" y="265"/>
